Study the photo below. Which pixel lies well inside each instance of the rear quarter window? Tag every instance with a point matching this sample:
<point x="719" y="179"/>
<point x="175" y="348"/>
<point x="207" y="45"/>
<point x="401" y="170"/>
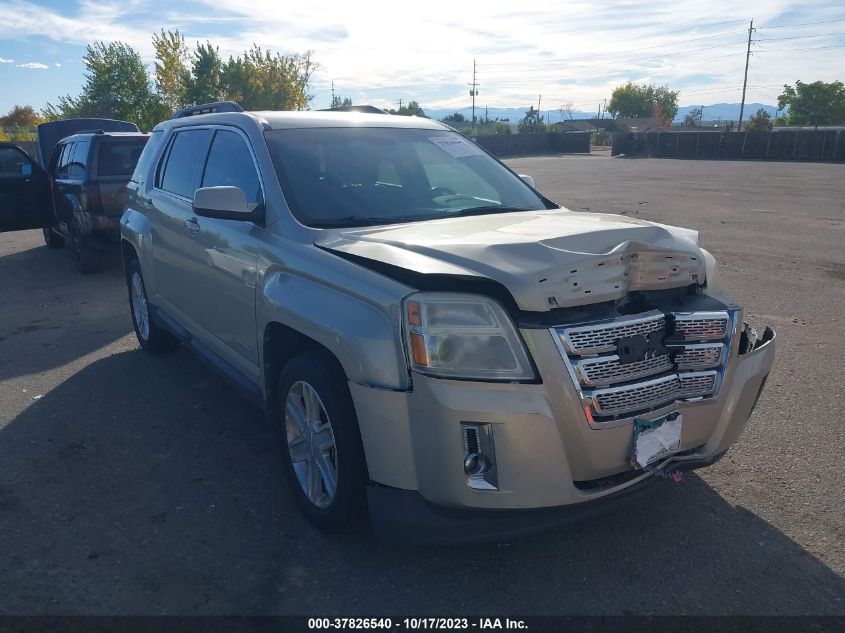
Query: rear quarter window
<point x="145" y="161"/>
<point x="118" y="158"/>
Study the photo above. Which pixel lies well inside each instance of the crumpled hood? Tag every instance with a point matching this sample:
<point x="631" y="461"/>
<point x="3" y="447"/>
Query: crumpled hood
<point x="546" y="259"/>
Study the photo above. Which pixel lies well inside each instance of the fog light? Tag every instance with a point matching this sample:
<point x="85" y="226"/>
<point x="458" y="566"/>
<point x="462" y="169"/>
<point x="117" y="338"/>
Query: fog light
<point x="479" y="456"/>
<point x="476" y="464"/>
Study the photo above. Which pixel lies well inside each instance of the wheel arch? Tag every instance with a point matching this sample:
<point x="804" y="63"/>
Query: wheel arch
<point x="280" y="344"/>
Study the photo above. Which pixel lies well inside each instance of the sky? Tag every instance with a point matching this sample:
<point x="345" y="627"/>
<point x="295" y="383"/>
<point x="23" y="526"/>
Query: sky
<point x="380" y="52"/>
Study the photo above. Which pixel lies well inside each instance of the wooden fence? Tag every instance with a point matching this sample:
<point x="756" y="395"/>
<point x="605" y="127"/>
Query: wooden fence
<point x="821" y="145"/>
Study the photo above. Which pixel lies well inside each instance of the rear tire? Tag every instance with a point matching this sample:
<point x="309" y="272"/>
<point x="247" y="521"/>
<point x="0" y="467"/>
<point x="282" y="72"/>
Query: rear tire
<point x="152" y="338"/>
<point x="88" y="260"/>
<point x="52" y="239"/>
<point x="321" y="443"/>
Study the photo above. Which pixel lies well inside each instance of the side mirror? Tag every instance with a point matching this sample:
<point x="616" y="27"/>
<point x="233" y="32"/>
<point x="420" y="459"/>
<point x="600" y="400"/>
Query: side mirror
<point x="528" y="179"/>
<point x="224" y="203"/>
<point x="26" y="170"/>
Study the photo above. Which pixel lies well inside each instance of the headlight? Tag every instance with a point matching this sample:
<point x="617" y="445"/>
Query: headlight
<point x="452" y="335"/>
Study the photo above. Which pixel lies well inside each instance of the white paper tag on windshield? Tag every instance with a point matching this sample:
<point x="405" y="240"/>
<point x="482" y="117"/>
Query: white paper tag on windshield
<point x="456" y="146"/>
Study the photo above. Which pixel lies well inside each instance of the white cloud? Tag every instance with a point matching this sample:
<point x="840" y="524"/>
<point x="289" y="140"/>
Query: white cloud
<point x="6" y="61"/>
<point x="57" y="65"/>
<point x="36" y="65"/>
<point x="566" y="50"/>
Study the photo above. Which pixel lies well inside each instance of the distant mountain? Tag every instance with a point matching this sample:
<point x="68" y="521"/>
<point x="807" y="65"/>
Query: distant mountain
<point x="714" y="112"/>
<point x="726" y="111"/>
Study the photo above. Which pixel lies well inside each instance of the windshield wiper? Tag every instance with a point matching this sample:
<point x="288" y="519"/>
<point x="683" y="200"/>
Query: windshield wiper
<point x="356" y="220"/>
<point x="350" y="220"/>
<point x="484" y="210"/>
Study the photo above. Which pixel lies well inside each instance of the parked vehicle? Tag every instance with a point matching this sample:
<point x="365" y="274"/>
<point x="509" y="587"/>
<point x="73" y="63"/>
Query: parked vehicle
<point x="78" y="191"/>
<point x="432" y="336"/>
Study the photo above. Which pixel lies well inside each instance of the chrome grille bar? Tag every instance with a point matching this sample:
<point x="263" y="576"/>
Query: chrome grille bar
<point x="605" y="370"/>
<point x="595" y="339"/>
<point x="652" y="393"/>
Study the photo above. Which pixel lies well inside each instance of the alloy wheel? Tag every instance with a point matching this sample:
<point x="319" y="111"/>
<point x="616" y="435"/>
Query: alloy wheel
<point x="311" y="444"/>
<point x="139" y="306"/>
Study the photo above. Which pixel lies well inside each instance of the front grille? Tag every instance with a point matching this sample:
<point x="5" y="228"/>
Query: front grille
<point x="688" y="364"/>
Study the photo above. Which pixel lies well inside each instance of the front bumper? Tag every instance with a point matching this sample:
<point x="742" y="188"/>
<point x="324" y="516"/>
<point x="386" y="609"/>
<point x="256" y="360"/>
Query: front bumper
<point x="404" y="516"/>
<point x="547" y="454"/>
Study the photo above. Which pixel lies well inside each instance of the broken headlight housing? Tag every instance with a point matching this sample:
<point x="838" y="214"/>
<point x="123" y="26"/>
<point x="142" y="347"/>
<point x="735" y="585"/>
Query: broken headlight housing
<point x="463" y="336"/>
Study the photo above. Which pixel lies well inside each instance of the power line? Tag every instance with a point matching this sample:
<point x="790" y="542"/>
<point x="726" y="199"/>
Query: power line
<point x="798" y="37"/>
<point x="811" y="48"/>
<point x="786" y="26"/>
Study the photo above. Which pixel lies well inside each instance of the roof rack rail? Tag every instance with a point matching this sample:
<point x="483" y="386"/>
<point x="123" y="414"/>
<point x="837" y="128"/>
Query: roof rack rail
<point x="207" y="108"/>
<point x="368" y="109"/>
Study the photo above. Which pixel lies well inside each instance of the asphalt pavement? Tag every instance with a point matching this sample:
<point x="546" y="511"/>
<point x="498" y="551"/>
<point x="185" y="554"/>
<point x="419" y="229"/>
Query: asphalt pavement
<point x="132" y="484"/>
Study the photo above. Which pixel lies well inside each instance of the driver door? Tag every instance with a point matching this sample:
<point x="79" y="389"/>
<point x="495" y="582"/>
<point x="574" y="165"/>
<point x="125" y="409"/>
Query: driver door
<point x="24" y="191"/>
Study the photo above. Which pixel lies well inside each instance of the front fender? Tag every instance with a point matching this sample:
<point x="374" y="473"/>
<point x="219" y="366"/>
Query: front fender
<point x="364" y="337"/>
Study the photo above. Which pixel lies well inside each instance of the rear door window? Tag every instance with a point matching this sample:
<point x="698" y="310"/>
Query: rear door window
<point x="230" y="164"/>
<point x="63" y="160"/>
<point x="79" y="161"/>
<point x="180" y="173"/>
<point x="118" y="158"/>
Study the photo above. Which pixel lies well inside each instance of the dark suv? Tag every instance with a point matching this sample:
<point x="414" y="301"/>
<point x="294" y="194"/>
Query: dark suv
<point x="78" y="194"/>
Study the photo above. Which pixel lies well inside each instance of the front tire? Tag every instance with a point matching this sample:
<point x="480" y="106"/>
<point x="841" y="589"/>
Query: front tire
<point x="152" y="338"/>
<point x="322" y="450"/>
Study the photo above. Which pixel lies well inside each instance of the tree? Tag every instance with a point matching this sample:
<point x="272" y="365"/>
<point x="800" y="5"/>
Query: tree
<point x="171" y="68"/>
<point x="760" y="122"/>
<point x="21" y="117"/>
<point x="117" y="86"/>
<point x="532" y="122"/>
<point x="632" y="101"/>
<point x="567" y="110"/>
<point x="412" y="108"/>
<point x="456" y="117"/>
<point x="693" y="118"/>
<point x="17" y="124"/>
<point x="204" y="84"/>
<point x="818" y="103"/>
<point x="261" y="80"/>
<point x="338" y="102"/>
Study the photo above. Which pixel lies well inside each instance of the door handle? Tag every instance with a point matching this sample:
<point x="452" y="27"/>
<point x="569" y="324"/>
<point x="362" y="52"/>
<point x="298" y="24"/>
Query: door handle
<point x="192" y="225"/>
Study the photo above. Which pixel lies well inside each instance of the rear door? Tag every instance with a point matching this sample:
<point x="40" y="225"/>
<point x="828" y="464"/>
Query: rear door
<point x="174" y="263"/>
<point x="24" y="191"/>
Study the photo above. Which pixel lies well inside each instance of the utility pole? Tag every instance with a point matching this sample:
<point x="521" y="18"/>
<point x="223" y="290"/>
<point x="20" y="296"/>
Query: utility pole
<point x="539" y="99"/>
<point x="332" y="92"/>
<point x="473" y="93"/>
<point x="604" y="110"/>
<point x="400" y="104"/>
<point x="745" y="81"/>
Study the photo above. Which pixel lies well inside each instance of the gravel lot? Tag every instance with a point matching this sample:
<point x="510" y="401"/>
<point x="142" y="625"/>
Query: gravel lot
<point x="139" y="485"/>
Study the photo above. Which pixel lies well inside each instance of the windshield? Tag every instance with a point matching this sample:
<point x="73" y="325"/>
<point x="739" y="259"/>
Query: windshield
<point x="358" y="176"/>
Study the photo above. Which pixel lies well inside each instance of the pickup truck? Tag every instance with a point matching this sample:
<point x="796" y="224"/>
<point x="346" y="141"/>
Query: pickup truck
<point x="434" y="340"/>
<point x="76" y="189"/>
